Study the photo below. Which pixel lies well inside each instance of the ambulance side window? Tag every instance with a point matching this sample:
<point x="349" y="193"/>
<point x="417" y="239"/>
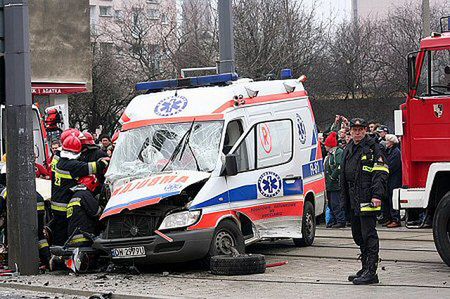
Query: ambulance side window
<point x="234" y="131"/>
<point x="274" y="143"/>
<point x="266" y="144"/>
<point x="245" y="153"/>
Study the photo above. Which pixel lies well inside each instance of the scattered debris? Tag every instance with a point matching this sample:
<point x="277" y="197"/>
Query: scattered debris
<point x="383" y="268"/>
<point x="165" y="274"/>
<point x="46" y="283"/>
<point x="277" y="264"/>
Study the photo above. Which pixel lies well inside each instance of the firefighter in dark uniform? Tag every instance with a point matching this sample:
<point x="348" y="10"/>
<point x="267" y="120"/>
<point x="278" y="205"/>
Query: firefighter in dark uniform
<point x="363" y="185"/>
<point x="83" y="212"/>
<point x="44" y="250"/>
<point x="67" y="171"/>
<point x="91" y="153"/>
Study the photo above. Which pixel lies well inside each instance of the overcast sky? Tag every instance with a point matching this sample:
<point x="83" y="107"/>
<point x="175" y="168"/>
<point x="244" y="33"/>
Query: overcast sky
<point x="332" y="9"/>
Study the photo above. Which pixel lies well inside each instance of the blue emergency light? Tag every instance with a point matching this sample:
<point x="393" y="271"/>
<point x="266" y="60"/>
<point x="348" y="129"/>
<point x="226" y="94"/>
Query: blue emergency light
<point x="286" y="74"/>
<point x="220" y="79"/>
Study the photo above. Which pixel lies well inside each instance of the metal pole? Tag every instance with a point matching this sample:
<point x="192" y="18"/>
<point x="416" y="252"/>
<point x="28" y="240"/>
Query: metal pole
<point x="226" y="37"/>
<point x="21" y="185"/>
<point x="426" y="16"/>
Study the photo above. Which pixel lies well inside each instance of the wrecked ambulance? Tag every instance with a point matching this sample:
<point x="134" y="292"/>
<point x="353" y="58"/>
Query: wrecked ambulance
<point x="208" y="163"/>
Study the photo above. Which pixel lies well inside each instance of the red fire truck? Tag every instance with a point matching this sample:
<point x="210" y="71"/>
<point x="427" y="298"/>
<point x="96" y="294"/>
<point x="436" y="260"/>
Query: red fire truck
<point x="423" y="122"/>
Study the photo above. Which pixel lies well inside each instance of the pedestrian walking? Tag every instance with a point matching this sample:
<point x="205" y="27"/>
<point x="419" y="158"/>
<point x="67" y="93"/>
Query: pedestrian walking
<point x="364" y="176"/>
<point x="393" y="156"/>
<point x="332" y="176"/>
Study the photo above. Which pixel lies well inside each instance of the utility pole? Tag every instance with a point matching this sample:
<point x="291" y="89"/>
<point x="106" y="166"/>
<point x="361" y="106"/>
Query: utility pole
<point x="426" y="16"/>
<point x="226" y="37"/>
<point x="21" y="185"/>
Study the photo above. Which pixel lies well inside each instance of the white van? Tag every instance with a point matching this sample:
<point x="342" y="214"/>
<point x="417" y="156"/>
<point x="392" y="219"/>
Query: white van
<point x="200" y="169"/>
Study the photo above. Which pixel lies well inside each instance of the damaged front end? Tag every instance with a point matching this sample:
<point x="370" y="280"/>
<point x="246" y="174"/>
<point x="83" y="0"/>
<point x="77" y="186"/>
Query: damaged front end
<point x="152" y="229"/>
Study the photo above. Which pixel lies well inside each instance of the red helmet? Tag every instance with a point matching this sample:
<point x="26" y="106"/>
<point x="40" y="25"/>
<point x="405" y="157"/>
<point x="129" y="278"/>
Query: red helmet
<point x="72" y="144"/>
<point x="90" y="182"/>
<point x="69" y="132"/>
<point x="115" y="137"/>
<point x="87" y="138"/>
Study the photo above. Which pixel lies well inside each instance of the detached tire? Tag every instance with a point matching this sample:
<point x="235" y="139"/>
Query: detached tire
<point x="244" y="264"/>
<point x="441" y="228"/>
<point x="308" y="226"/>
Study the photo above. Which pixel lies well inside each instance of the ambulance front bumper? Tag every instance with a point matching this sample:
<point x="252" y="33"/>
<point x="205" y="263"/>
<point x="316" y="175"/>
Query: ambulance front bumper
<point x="185" y="246"/>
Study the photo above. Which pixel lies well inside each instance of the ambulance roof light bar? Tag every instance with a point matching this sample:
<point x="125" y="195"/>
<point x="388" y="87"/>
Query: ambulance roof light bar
<point x="155" y="86"/>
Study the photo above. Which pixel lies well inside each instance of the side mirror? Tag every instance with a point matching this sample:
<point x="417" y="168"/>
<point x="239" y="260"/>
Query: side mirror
<point x="412" y="71"/>
<point x="231" y="168"/>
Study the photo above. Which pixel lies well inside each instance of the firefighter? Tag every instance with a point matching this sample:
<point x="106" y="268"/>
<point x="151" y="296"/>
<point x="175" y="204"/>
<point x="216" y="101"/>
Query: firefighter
<point x="363" y="185"/>
<point x="67" y="171"/>
<point x="83" y="212"/>
<point x="91" y="152"/>
<point x="44" y="251"/>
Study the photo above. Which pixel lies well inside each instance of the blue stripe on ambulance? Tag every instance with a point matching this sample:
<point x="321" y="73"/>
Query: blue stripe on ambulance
<point x="294" y="188"/>
<point x="248" y="192"/>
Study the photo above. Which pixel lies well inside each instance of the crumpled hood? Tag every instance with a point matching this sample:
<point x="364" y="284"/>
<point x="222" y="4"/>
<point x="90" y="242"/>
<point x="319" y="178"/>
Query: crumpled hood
<point x="151" y="190"/>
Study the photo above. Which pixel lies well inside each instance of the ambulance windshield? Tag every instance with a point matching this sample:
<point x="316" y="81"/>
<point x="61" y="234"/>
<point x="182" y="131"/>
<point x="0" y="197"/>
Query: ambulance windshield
<point x="166" y="147"/>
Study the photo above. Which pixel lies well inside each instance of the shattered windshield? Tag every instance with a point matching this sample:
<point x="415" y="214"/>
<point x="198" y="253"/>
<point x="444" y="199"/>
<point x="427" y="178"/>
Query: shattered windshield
<point x="166" y="147"/>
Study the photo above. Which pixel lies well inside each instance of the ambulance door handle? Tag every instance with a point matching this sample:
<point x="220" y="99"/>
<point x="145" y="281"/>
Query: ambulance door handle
<point x="292" y="177"/>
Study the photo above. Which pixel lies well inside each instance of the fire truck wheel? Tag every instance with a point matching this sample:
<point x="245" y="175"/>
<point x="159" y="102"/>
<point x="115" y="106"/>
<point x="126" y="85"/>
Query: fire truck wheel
<point x="308" y="226"/>
<point x="441" y="228"/>
<point x="244" y="264"/>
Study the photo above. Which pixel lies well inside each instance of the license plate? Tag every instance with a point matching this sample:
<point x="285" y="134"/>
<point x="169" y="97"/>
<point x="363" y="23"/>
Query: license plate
<point x="128" y="252"/>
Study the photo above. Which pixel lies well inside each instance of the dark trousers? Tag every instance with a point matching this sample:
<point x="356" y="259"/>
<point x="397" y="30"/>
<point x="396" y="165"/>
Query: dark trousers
<point x="59" y="228"/>
<point x="365" y="234"/>
<point x="335" y="206"/>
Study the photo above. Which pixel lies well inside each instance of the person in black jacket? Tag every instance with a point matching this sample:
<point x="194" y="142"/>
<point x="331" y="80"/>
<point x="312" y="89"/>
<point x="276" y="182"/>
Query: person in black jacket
<point x="83" y="212"/>
<point x="395" y="177"/>
<point x="364" y="175"/>
<point x="44" y="250"/>
<point x="67" y="172"/>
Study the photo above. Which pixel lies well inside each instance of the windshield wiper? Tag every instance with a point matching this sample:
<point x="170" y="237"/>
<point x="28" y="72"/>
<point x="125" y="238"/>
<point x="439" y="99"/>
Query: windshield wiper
<point x="181" y="144"/>
<point x="195" y="158"/>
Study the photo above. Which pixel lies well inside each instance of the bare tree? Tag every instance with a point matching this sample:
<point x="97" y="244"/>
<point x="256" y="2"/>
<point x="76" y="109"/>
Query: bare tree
<point x="112" y="91"/>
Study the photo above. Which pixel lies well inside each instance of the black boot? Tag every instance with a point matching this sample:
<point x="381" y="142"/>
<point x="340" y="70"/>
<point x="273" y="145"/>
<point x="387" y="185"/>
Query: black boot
<point x="370" y="275"/>
<point x="363" y="269"/>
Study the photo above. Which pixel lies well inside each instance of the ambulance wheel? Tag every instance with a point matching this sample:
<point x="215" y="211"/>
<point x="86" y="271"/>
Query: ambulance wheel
<point x="244" y="264"/>
<point x="308" y="226"/>
<point x="441" y="228"/>
<point x="226" y="235"/>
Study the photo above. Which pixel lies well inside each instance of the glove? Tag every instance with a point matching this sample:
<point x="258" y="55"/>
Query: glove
<point x="102" y="165"/>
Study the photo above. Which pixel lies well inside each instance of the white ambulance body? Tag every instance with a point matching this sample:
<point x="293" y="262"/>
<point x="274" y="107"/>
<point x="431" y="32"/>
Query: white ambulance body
<point x="197" y="170"/>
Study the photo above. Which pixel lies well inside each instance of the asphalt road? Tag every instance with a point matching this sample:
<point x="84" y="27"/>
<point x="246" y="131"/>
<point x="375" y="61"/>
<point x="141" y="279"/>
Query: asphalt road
<point x="410" y="268"/>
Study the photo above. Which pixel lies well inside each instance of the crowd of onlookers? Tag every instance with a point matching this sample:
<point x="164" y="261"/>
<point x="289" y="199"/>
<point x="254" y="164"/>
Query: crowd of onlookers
<point x="333" y="141"/>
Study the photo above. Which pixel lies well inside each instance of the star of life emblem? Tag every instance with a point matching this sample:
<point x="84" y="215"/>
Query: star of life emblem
<point x="301" y="129"/>
<point x="171" y="106"/>
<point x="269" y="184"/>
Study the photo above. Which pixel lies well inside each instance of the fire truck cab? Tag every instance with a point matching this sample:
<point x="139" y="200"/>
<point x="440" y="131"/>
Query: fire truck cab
<point x="423" y="122"/>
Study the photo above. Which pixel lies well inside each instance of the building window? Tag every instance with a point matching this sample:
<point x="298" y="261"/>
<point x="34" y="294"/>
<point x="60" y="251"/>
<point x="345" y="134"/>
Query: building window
<point x="106" y="11"/>
<point x="118" y="15"/>
<point x="153" y="14"/>
<point x="106" y="47"/>
<point x="164" y="19"/>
